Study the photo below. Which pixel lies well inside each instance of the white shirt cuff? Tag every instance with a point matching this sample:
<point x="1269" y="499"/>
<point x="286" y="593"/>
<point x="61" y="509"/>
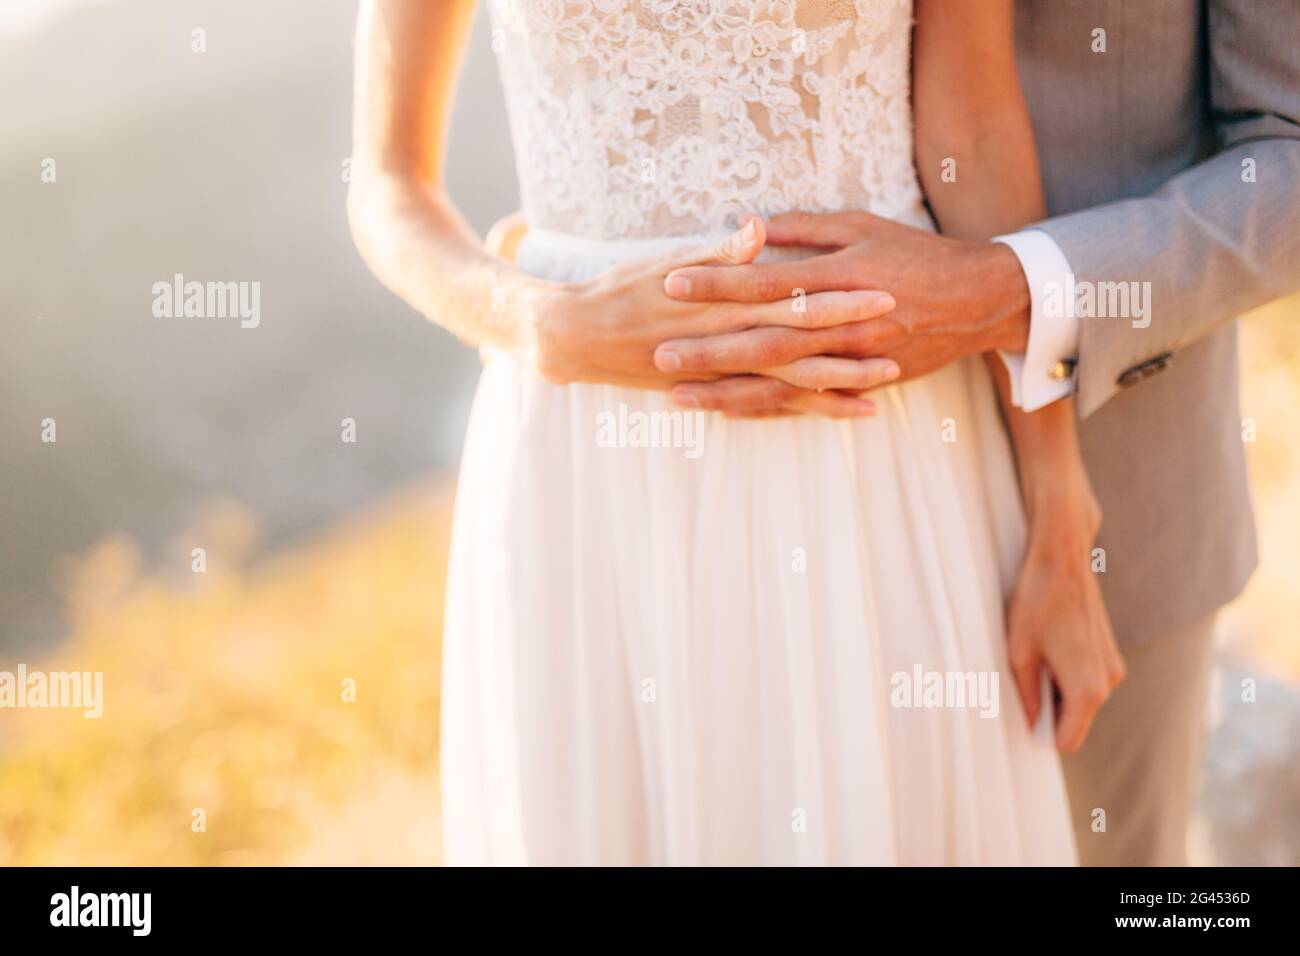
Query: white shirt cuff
<point x="1053" y="333"/>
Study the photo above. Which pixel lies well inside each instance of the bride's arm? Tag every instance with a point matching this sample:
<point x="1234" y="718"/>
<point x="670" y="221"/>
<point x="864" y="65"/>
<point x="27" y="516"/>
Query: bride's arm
<point x="603" y="329"/>
<point x="972" y="123"/>
<point x="408" y="55"/>
<point x="978" y="164"/>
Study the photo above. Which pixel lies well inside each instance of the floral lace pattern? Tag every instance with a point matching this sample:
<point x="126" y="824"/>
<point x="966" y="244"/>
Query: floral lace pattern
<point x="639" y="118"/>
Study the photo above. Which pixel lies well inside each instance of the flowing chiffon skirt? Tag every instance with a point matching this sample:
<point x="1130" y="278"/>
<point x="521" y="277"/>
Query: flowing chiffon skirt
<point x="679" y="638"/>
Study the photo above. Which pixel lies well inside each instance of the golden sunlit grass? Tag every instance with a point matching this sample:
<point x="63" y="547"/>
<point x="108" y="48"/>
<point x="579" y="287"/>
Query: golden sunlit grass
<point x="1263" y="620"/>
<point x="227" y="695"/>
<point x="224" y="690"/>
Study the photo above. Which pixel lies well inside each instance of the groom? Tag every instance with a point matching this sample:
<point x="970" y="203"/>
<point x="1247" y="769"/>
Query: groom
<point x="1169" y="138"/>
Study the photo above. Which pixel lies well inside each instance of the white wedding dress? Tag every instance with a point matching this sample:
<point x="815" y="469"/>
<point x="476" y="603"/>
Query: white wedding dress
<point x="670" y="646"/>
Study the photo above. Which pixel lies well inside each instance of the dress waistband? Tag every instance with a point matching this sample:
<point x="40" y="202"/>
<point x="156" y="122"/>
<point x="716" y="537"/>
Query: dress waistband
<point x="615" y="249"/>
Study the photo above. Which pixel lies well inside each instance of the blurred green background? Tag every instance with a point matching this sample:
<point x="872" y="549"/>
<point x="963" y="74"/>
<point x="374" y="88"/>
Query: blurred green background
<point x="225" y="691"/>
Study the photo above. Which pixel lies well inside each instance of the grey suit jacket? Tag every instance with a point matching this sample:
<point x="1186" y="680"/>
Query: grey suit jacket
<point x="1142" y="151"/>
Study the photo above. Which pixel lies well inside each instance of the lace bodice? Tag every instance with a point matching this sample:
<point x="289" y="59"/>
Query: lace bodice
<point x="639" y="118"/>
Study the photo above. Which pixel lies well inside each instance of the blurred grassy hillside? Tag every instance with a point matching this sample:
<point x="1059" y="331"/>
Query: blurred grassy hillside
<point x="225" y="165"/>
<point x="224" y="690"/>
<point x="225" y="693"/>
<point x="1261" y="627"/>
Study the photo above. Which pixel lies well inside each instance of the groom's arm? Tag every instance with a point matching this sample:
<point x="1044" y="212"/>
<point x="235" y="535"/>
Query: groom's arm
<point x="1213" y="242"/>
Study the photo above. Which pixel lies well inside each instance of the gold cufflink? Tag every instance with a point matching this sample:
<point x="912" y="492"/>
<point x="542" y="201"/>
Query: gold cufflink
<point x="1062" y="370"/>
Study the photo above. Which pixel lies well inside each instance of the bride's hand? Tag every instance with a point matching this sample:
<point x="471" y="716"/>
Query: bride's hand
<point x="606" y="329"/>
<point x="1056" y="618"/>
<point x="505" y="235"/>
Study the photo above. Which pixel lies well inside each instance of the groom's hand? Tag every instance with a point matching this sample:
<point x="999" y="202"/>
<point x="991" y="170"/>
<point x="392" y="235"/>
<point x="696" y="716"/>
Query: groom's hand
<point x="814" y="383"/>
<point x="954" y="298"/>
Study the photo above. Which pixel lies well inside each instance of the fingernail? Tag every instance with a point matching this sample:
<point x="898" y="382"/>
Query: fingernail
<point x="666" y="360"/>
<point x="887" y="302"/>
<point x="749" y="232"/>
<point x="677" y="286"/>
<point x="891" y="371"/>
<point x="686" y="400"/>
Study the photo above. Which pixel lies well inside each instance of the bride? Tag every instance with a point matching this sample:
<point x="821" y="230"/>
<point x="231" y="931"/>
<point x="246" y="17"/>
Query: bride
<point x="654" y="657"/>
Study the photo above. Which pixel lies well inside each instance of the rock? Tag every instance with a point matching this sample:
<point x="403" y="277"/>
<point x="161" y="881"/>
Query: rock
<point x="1248" y="812"/>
